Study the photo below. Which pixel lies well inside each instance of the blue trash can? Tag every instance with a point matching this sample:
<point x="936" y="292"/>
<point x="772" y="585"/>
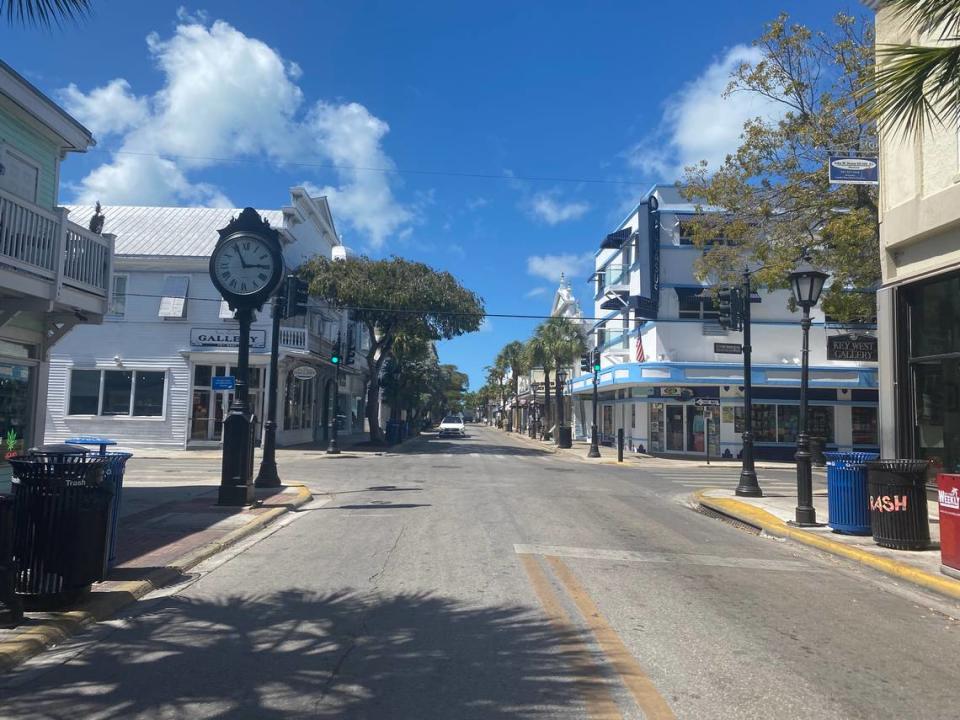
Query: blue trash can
<point x="393" y="432"/>
<point x="848" y="499"/>
<point x="113" y="480"/>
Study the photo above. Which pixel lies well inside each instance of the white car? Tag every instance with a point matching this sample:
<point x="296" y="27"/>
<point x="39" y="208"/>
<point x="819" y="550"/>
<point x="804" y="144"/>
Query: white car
<point x="452" y="425"/>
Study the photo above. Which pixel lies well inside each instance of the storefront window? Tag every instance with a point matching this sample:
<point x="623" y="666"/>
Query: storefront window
<point x="124" y="392"/>
<point x="788" y="421"/>
<point x="656" y="427"/>
<point x="14" y="408"/>
<point x="820" y="422"/>
<point x="298" y="403"/>
<point x="764" y="422"/>
<point x="935" y="318"/>
<point x="864" y="425"/>
<point x="937" y="411"/>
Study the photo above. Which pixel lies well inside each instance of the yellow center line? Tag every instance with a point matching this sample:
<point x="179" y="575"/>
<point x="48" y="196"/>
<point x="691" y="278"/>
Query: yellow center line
<point x="587" y="675"/>
<point x="644" y="691"/>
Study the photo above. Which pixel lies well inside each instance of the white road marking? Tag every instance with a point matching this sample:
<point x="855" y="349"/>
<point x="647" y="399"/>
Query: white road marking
<point x="665" y="558"/>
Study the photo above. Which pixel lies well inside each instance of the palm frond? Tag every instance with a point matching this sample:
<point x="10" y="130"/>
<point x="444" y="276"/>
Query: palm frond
<point x="915" y="86"/>
<point x="43" y="13"/>
<point x="929" y="16"/>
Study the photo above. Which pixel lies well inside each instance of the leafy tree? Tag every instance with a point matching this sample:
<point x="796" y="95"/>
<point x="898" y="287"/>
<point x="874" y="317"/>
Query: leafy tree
<point x="43" y="13"/>
<point x="496" y="374"/>
<point x="918" y="85"/>
<point x="394" y="297"/>
<point x="770" y="202"/>
<point x="563" y="343"/>
<point x="537" y="357"/>
<point x="512" y="358"/>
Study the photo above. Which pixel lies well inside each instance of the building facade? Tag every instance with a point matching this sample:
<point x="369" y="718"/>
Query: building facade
<point x="672" y="377"/>
<point x="919" y="302"/>
<point x="149" y="374"/>
<point x="54" y="273"/>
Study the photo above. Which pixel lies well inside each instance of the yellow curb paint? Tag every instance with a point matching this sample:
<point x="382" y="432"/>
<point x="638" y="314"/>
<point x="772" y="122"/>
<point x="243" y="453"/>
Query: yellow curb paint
<point x="775" y="526"/>
<point x="588" y="676"/>
<point x="100" y="606"/>
<point x="642" y="688"/>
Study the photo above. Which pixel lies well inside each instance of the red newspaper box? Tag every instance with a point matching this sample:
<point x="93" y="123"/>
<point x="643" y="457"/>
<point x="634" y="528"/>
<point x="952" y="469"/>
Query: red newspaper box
<point x="948" y="485"/>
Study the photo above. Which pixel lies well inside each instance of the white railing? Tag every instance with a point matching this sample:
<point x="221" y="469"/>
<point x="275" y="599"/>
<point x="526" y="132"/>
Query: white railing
<point x="45" y="243"/>
<point x="293" y="338"/>
<point x="87" y="258"/>
<point x="29" y="235"/>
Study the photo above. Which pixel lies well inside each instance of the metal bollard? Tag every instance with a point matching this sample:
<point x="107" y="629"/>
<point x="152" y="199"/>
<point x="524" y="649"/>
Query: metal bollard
<point x="620" y="445"/>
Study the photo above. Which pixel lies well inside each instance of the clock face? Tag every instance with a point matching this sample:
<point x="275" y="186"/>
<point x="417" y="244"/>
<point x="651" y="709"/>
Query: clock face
<point x="244" y="265"/>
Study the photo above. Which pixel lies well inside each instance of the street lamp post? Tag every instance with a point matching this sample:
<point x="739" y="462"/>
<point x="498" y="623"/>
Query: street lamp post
<point x="807" y="284"/>
<point x="594" y="451"/>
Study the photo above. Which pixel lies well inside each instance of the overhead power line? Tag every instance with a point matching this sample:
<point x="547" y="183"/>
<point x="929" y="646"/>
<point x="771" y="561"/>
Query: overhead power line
<point x="399" y="311"/>
<point x="387" y="170"/>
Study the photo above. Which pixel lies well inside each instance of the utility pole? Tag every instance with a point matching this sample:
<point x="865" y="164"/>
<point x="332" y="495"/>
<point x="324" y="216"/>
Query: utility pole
<point x="748" y="485"/>
<point x="594" y="440"/>
<point x="333" y="448"/>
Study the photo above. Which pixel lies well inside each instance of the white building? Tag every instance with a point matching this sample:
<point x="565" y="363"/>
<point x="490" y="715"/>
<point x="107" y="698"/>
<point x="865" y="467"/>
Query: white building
<point x="662" y="348"/>
<point x="146" y="376"/>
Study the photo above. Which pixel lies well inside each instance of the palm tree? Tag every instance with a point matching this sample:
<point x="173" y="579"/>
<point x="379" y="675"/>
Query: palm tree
<point x="43" y="13"/>
<point x="917" y="85"/>
<point x="535" y="352"/>
<point x="564" y="344"/>
<point x="512" y="357"/>
<point x="495" y="376"/>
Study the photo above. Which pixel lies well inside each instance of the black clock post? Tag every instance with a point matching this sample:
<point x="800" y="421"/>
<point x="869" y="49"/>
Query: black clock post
<point x="247" y="268"/>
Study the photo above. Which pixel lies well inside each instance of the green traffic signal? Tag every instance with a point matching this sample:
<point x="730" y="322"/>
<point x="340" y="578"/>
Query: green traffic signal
<point x="335" y="360"/>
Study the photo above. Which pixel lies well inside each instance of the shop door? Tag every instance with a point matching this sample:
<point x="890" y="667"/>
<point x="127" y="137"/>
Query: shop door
<point x="656" y="427"/>
<point x="675" y="428"/>
<point x="696" y="435"/>
<point x="210" y="407"/>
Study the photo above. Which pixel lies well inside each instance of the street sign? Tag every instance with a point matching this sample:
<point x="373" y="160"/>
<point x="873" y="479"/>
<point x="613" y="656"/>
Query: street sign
<point x="853" y="169"/>
<point x="728" y="348"/>
<point x="224" y="382"/>
<point x="304" y="372"/>
<point x="852" y="347"/>
<point x="706" y="402"/>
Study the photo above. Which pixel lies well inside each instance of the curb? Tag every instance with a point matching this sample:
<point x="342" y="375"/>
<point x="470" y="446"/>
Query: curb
<point x="773" y="525"/>
<point x="101" y="606"/>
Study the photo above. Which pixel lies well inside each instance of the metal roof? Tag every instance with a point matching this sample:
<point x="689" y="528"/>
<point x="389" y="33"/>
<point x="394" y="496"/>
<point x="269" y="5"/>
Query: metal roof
<point x="171" y="231"/>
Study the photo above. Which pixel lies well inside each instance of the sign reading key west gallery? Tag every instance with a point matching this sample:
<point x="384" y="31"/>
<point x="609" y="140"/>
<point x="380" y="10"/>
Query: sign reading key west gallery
<point x="852" y="347"/>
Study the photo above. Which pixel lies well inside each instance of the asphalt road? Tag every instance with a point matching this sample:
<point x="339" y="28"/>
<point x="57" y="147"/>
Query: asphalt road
<point x="483" y="578"/>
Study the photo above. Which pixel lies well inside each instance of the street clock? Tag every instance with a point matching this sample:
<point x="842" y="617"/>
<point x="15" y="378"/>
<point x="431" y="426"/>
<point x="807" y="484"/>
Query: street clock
<point x="247" y="265"/>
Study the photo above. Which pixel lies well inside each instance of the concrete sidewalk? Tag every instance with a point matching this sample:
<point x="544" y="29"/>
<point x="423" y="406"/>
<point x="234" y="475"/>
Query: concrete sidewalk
<point x="608" y="455"/>
<point x="159" y="540"/>
<point x="771" y="514"/>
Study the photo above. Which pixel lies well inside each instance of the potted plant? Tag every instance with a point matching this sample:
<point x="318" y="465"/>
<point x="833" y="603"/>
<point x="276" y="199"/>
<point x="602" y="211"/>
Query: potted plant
<point x="10" y="443"/>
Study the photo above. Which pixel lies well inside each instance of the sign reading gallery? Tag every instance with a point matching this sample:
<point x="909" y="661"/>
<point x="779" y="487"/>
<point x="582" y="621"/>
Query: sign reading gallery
<point x="225" y="337"/>
<point x="852" y="347"/>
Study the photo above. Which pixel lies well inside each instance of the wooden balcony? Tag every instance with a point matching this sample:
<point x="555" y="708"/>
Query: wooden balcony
<point x="302" y="340"/>
<point x="44" y="256"/>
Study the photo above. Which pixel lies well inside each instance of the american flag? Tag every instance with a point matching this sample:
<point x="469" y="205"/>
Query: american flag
<point x="640" y="356"/>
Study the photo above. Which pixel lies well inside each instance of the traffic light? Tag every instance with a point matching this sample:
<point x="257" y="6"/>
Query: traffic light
<point x="296" y="295"/>
<point x="585" y="362"/>
<point x="736" y="309"/>
<point x="596" y="360"/>
<point x="725" y="307"/>
<point x="335" y="353"/>
<point x="351" y="345"/>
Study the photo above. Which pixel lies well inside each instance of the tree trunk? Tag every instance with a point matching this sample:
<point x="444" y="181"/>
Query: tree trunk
<point x="559" y="395"/>
<point x="547" y="405"/>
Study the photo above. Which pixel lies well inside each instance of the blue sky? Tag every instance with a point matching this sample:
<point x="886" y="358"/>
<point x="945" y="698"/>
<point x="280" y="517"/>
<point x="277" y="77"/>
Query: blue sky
<point x="234" y="102"/>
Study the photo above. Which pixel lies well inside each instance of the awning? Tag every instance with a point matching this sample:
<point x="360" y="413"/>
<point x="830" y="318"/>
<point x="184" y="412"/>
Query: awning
<point x="620" y="300"/>
<point x="615" y="240"/>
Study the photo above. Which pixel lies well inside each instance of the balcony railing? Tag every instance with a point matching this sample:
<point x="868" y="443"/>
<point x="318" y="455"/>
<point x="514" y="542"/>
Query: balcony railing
<point x="45" y="243"/>
<point x="303" y="340"/>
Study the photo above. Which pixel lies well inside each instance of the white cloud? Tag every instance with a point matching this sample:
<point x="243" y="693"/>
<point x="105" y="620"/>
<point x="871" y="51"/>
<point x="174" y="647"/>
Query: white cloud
<point x="699" y="123"/>
<point x="551" y="209"/>
<point x="477" y="203"/>
<point x="194" y="122"/>
<point x="533" y="292"/>
<point x="550" y="267"/>
<point x="106" y="110"/>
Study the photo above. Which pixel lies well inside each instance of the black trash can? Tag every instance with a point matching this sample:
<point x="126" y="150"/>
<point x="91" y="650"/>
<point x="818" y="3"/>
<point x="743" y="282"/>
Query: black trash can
<point x="817" y="445"/>
<point x="564" y="437"/>
<point x="11" y="607"/>
<point x="898" y="503"/>
<point x="61" y="512"/>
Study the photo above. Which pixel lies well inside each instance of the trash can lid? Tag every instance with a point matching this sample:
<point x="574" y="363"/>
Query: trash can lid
<point x="902" y="466"/>
<point x="90" y="440"/>
<point x="57" y="449"/>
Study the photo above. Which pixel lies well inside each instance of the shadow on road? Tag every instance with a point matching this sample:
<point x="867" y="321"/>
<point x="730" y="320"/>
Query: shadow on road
<point x="300" y="654"/>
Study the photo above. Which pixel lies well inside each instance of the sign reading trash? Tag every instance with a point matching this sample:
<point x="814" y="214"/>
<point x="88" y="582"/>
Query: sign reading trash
<point x="853" y="169"/>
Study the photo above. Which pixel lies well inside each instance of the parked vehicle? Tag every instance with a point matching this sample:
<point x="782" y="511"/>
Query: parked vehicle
<point x="452" y="425"/>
